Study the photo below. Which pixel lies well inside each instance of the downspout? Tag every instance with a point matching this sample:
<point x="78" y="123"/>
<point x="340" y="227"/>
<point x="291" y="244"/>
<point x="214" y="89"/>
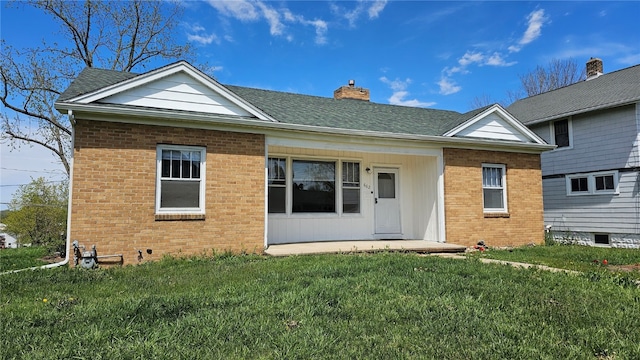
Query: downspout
<point x="266" y="194"/>
<point x="68" y="247"/>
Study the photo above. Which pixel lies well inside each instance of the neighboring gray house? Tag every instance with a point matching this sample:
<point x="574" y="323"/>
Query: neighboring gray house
<point x="591" y="181"/>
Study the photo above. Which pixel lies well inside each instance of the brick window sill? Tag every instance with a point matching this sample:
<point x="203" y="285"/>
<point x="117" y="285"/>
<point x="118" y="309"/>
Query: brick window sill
<point x="496" y="215"/>
<point x="179" y="217"/>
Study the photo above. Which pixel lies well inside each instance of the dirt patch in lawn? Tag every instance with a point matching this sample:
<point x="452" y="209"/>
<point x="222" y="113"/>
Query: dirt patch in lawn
<point x="624" y="268"/>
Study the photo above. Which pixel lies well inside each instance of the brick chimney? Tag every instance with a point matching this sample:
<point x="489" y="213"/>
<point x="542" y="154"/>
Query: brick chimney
<point x="594" y="68"/>
<point x="351" y="92"/>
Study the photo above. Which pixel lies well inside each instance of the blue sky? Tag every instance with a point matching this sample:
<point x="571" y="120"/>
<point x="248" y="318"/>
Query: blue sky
<point x="414" y="53"/>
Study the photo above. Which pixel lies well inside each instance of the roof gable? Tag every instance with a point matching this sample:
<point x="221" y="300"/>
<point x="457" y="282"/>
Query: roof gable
<point x="174" y="87"/>
<point x="496" y="124"/>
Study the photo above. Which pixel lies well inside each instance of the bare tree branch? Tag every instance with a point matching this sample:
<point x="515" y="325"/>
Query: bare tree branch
<point x="120" y="35"/>
<point x="557" y="74"/>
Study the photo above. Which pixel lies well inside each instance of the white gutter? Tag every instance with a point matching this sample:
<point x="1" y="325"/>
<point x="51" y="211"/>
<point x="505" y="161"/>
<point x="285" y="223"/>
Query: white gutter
<point x="167" y="118"/>
<point x="68" y="247"/>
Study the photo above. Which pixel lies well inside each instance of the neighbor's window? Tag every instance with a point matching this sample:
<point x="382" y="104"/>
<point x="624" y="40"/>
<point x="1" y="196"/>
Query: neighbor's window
<point x="579" y="184"/>
<point x="350" y="187"/>
<point x="605" y="182"/>
<point x="601" y="239"/>
<point x="180" y="179"/>
<point x="562" y="133"/>
<point x="277" y="185"/>
<point x="314" y="186"/>
<point x="593" y="183"/>
<point x="494" y="188"/>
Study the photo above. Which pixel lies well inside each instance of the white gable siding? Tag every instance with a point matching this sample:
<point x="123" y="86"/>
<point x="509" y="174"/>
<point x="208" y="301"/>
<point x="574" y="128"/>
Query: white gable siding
<point x="603" y="140"/>
<point x="493" y="127"/>
<point x="177" y="92"/>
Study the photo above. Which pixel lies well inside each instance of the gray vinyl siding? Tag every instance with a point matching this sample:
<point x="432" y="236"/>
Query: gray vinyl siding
<point x="602" y="140"/>
<point x="609" y="213"/>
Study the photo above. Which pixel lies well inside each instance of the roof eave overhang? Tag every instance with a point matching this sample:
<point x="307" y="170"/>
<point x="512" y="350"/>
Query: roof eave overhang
<point x="104" y="112"/>
<point x="581" y="111"/>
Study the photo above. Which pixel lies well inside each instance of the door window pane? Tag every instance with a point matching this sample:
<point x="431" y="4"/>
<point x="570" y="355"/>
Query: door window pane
<point x="386" y="185"/>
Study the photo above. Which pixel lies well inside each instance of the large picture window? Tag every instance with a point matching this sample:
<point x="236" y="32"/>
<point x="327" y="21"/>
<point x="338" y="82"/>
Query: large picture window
<point x="180" y="179"/>
<point x="314" y="186"/>
<point x="298" y="186"/>
<point x="494" y="192"/>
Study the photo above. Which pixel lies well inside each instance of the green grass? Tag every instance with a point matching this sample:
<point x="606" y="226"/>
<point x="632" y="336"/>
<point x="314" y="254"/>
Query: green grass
<point x="21" y="258"/>
<point x="382" y="306"/>
<point x="572" y="257"/>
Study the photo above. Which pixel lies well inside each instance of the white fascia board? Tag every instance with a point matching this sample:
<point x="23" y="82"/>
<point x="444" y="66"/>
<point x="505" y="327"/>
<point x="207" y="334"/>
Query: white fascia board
<point x="181" y="66"/>
<point x="500" y="111"/>
<point x="104" y="112"/>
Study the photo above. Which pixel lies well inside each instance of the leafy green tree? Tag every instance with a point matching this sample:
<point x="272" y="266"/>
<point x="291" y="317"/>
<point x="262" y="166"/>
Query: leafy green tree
<point x="38" y="214"/>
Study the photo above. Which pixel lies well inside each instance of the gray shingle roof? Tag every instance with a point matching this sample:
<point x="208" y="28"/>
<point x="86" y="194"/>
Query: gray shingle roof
<point x="309" y="110"/>
<point x="612" y="89"/>
<point x="92" y="79"/>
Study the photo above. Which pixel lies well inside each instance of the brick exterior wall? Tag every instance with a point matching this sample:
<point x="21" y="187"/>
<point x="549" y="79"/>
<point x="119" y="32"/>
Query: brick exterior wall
<point x="114" y="192"/>
<point x="466" y="222"/>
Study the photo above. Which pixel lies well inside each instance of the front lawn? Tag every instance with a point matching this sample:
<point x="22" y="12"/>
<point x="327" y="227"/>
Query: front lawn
<point x="21" y="258"/>
<point x="571" y="257"/>
<point x="382" y="306"/>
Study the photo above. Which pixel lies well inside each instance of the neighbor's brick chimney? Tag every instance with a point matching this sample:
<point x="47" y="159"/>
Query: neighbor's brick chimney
<point x="594" y="68"/>
<point x="351" y="92"/>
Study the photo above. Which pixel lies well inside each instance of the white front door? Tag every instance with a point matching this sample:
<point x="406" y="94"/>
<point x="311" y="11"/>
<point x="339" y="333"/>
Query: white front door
<point x="387" y="202"/>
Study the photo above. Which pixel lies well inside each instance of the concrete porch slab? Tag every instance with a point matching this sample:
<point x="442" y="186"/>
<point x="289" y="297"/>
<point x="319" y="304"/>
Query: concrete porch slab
<point x="332" y="247"/>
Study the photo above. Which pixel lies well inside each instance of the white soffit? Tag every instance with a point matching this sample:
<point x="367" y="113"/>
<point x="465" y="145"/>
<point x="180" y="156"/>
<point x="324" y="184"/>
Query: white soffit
<point x="496" y="124"/>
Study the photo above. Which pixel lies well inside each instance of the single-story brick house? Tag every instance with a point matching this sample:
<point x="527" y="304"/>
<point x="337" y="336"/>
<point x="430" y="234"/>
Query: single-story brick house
<point x="175" y="162"/>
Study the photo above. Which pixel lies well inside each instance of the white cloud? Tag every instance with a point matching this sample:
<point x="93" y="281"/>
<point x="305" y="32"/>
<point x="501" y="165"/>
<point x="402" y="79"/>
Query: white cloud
<point x="470" y="58"/>
<point x="534" y="30"/>
<point x="535" y="20"/>
<point x="321" y="31"/>
<point x="373" y="10"/>
<point x="400" y="93"/>
<point x="239" y="9"/>
<point x="204" y="40"/>
<point x="278" y="19"/>
<point x="497" y="60"/>
<point x="376" y="8"/>
<point x="272" y="17"/>
<point x="632" y="59"/>
<point x="448" y="86"/>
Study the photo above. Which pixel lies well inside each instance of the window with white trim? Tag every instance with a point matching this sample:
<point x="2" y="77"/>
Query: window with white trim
<point x="593" y="183"/>
<point x="277" y="171"/>
<point x="180" y="179"/>
<point x="299" y="186"/>
<point x="561" y="133"/>
<point x="494" y="194"/>
<point x="350" y="187"/>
